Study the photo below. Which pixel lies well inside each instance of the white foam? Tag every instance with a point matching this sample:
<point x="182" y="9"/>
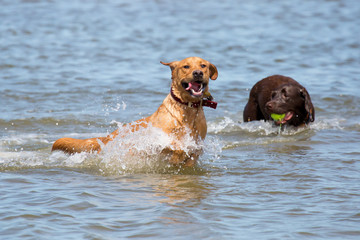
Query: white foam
<point x="228" y="125"/>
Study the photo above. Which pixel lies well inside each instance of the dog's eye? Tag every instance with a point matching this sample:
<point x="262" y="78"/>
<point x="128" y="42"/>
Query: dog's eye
<point x="186" y="66"/>
<point x="284" y="93"/>
<point x="203" y="65"/>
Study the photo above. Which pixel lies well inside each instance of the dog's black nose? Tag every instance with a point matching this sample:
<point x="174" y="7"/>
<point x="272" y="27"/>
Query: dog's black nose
<point x="198" y="74"/>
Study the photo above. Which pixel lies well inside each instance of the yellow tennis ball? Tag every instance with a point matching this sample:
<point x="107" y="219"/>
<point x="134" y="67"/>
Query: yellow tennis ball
<point x="277" y="117"/>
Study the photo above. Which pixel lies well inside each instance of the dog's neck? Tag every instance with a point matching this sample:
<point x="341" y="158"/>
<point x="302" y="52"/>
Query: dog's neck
<point x="184" y="117"/>
<point x="201" y="103"/>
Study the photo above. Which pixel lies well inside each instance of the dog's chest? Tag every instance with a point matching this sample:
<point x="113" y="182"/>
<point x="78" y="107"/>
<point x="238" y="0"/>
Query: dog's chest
<point x="179" y="120"/>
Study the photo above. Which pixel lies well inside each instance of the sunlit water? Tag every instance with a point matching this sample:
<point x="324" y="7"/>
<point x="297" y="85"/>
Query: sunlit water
<point x="82" y="68"/>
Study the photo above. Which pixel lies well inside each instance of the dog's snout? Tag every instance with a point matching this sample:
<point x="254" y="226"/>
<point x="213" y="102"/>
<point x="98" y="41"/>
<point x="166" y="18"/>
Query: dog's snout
<point x="269" y="106"/>
<point x="198" y="74"/>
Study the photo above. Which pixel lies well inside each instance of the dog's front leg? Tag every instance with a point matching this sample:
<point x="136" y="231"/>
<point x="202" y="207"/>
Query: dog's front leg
<point x="180" y="157"/>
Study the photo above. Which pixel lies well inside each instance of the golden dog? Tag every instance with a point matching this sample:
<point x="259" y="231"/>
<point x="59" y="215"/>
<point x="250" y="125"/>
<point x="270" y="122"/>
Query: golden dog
<point x="180" y="112"/>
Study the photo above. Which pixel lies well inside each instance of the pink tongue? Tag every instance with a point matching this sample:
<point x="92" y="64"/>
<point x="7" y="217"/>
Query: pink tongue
<point x="288" y="116"/>
<point x="195" y="86"/>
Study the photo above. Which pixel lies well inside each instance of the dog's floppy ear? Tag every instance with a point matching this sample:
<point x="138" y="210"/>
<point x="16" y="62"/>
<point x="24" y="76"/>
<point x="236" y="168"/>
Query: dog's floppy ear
<point x="308" y="104"/>
<point x="172" y="65"/>
<point x="213" y="72"/>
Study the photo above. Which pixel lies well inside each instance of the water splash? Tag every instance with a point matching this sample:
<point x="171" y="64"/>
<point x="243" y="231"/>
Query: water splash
<point x="142" y="151"/>
<point x="137" y="152"/>
<point x="114" y="107"/>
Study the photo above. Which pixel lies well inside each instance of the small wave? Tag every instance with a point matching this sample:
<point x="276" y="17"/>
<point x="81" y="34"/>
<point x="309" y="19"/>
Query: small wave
<point x="23" y="139"/>
<point x="230" y="126"/>
<point x="238" y="134"/>
<point x="328" y="123"/>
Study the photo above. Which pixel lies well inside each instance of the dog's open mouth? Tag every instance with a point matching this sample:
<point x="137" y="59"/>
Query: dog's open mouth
<point x="282" y="118"/>
<point x="195" y="88"/>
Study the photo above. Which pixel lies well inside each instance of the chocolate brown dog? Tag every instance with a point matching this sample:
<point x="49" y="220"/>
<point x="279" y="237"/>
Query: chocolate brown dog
<point x="280" y="95"/>
<point x="180" y="113"/>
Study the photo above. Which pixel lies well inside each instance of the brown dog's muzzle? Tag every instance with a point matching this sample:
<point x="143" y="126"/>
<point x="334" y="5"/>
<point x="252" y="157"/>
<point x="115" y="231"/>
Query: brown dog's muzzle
<point x="269" y="106"/>
<point x="197" y="86"/>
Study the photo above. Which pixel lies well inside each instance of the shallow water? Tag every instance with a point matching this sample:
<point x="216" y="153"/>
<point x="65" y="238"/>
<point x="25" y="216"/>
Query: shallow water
<point x="79" y="68"/>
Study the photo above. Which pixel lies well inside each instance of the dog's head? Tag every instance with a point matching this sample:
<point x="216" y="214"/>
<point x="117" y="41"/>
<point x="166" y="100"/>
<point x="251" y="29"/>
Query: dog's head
<point x="293" y="101"/>
<point x="190" y="78"/>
